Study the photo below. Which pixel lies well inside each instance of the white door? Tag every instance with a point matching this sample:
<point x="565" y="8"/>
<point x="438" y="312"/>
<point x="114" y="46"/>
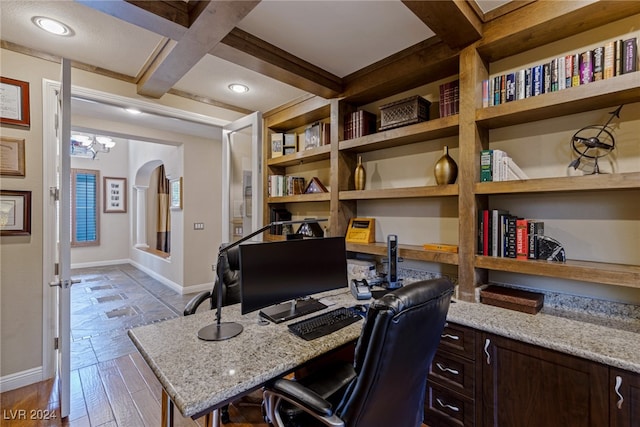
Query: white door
<point x="242" y="177"/>
<point x="60" y="194"/>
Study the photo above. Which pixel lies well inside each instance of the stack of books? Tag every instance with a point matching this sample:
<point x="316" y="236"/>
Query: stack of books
<point x="496" y="165"/>
<point x="614" y="58"/>
<point x="359" y="123"/>
<point x="285" y="185"/>
<point x="450" y="98"/>
<point x="504" y="235"/>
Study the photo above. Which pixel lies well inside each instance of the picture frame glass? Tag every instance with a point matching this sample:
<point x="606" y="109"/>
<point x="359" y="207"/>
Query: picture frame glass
<point x="115" y="195"/>
<point x="12" y="157"/>
<point x="15" y="213"/>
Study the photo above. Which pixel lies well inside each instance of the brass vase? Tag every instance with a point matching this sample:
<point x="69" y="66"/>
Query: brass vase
<point x="446" y="169"/>
<point x="360" y="175"/>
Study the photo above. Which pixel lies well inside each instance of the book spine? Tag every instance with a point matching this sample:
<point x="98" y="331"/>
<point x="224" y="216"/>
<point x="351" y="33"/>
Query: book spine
<point x="598" y="63"/>
<point x="609" y="59"/>
<point x="568" y="70"/>
<point x="630" y="61"/>
<point x="562" y="73"/>
<point x="528" y="83"/>
<point x="546" y="73"/>
<point x="520" y="84"/>
<point x="586" y="67"/>
<point x="535" y="229"/>
<point x="538" y="80"/>
<point x="510" y="87"/>
<point x="619" y="48"/>
<point x="575" y="72"/>
<point x="485" y="93"/>
<point x="503" y="89"/>
<point x="496" y="163"/>
<point x="485" y="232"/>
<point x="511" y="236"/>
<point x="486" y="157"/>
<point x="480" y="233"/>
<point x="496" y="90"/>
<point x="554" y="75"/>
<point x="522" y="246"/>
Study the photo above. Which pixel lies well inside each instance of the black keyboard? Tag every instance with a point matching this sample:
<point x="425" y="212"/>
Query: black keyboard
<point x="324" y="324"/>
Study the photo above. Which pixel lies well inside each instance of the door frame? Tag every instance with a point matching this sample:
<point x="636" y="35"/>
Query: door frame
<point x="49" y="100"/>
<point x="255" y="120"/>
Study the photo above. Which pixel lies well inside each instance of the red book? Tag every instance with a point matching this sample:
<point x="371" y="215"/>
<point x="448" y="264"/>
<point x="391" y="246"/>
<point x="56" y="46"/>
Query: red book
<point x="485" y="232"/>
<point x="522" y="240"/>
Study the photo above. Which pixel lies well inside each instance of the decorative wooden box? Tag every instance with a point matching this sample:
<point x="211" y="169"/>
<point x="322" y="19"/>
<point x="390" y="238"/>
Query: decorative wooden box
<point x="512" y="299"/>
<point x="407" y="111"/>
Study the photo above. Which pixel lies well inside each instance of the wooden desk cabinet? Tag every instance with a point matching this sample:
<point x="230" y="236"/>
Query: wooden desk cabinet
<point x="481" y="379"/>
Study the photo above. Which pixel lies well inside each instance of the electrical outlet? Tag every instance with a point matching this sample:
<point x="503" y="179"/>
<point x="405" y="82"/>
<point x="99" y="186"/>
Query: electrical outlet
<point x="198" y="225"/>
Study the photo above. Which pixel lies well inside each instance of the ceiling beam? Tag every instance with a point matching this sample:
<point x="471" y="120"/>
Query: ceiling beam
<point x="455" y="22"/>
<point x="248" y="51"/>
<point x="214" y="22"/>
<point x="419" y="64"/>
<point x="134" y="13"/>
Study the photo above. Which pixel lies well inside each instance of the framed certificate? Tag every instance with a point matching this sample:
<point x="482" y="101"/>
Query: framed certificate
<point x="11" y="157"/>
<point x="15" y="213"/>
<point x="14" y="102"/>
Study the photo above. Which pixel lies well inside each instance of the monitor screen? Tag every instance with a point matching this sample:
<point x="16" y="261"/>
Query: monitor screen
<point x="276" y="272"/>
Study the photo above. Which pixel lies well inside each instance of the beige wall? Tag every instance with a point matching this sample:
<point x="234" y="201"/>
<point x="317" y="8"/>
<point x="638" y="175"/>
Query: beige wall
<point x="21" y="258"/>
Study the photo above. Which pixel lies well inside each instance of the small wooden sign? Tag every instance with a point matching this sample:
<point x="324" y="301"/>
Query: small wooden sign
<point x="361" y="230"/>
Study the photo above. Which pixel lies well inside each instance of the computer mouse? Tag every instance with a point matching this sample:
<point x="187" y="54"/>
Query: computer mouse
<point x="361" y="308"/>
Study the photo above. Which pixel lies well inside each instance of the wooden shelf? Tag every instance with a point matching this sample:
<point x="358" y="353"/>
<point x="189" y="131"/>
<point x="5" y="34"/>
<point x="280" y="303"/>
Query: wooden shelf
<point x="306" y="156"/>
<point x="412" y="252"/>
<point x="424" y="131"/>
<point x="586" y="271"/>
<point x="592" y="96"/>
<point x="615" y="181"/>
<point x="401" y="193"/>
<point x="301" y="198"/>
<point x="302" y="113"/>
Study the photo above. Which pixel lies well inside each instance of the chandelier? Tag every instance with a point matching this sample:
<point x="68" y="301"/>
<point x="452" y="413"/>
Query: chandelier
<point x="89" y="146"/>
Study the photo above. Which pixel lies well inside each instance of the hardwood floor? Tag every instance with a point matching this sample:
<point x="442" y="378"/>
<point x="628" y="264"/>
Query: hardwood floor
<point x="122" y="392"/>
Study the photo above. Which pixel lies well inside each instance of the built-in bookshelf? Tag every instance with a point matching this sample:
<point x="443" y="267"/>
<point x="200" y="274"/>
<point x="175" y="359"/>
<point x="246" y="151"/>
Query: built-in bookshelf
<point x="470" y="133"/>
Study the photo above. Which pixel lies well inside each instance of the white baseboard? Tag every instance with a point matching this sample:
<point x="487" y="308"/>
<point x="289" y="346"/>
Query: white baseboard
<point x="101" y="263"/>
<point x="21" y="379"/>
<point x="197" y="288"/>
<point x="171" y="284"/>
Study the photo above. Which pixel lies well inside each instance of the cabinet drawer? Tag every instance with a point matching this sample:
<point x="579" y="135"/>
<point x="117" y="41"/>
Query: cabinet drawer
<point x="458" y="340"/>
<point x="454" y="372"/>
<point x="445" y="408"/>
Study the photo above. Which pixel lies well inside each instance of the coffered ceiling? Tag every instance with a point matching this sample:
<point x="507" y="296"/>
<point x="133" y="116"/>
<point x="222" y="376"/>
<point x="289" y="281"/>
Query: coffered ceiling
<point x="282" y="50"/>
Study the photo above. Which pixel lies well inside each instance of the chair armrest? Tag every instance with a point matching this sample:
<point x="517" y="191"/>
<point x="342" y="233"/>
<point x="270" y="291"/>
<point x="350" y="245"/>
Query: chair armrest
<point x="195" y="302"/>
<point x="301" y="395"/>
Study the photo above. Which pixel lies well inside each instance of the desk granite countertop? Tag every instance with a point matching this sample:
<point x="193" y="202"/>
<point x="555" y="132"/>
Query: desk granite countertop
<point x="199" y="375"/>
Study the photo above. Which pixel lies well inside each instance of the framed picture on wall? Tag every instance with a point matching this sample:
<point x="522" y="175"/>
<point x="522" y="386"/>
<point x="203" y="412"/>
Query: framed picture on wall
<point x="11" y="157"/>
<point x="175" y="193"/>
<point x="14" y="108"/>
<point x="115" y="195"/>
<point x="15" y="213"/>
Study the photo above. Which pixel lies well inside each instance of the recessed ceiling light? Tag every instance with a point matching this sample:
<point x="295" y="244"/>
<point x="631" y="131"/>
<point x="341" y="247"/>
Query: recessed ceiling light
<point x="238" y="88"/>
<point x="134" y="111"/>
<point x="52" y="26"/>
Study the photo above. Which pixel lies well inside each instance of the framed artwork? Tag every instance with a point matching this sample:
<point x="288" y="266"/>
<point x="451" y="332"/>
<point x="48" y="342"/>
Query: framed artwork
<point x="15" y="213"/>
<point x="175" y="193"/>
<point x="12" y="157"/>
<point x="14" y="102"/>
<point x="115" y="195"/>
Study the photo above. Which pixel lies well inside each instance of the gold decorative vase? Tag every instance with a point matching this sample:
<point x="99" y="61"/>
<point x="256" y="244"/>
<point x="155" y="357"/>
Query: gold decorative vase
<point x="446" y="169"/>
<point x="360" y="175"/>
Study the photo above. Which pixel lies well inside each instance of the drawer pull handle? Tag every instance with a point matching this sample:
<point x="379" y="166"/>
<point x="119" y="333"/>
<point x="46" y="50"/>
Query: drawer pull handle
<point x="617" y="389"/>
<point x="487" y="342"/>
<point x="444" y="405"/>
<point x="445" y="369"/>
<point x="452" y="337"/>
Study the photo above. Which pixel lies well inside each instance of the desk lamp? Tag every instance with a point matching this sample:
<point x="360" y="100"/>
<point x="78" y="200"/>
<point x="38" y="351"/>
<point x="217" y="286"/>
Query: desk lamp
<point x="220" y="331"/>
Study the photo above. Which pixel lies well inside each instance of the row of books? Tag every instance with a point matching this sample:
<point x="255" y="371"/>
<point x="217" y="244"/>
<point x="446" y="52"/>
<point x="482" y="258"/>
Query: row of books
<point x="285" y="185"/>
<point x="450" y="98"/>
<point x="359" y="123"/>
<point x="314" y="135"/>
<point x="504" y="235"/>
<point x="615" y="58"/>
<point x="275" y="215"/>
<point x="496" y="165"/>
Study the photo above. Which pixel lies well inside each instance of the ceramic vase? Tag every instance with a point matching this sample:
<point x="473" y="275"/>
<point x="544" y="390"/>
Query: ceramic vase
<point x="359" y="175"/>
<point x="446" y="169"/>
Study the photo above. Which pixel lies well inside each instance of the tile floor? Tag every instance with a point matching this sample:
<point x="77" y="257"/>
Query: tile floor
<point x="110" y="300"/>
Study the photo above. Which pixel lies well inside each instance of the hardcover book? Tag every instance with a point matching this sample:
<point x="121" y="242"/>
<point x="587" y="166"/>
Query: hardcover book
<point x="510" y="87"/>
<point x="522" y="242"/>
<point x="277" y="141"/>
<point x="562" y="73"/>
<point x="586" y="67"/>
<point x="536" y="229"/>
<point x="537" y="80"/>
<point x="575" y="72"/>
<point x="598" y="63"/>
<point x="486" y="157"/>
<point x="568" y="70"/>
<point x="619" y="53"/>
<point x="630" y="60"/>
<point x="609" y="59"/>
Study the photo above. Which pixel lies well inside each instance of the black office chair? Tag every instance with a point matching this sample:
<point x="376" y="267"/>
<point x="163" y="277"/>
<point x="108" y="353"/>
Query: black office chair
<point x="231" y="282"/>
<point x="385" y="386"/>
<point x="230" y="295"/>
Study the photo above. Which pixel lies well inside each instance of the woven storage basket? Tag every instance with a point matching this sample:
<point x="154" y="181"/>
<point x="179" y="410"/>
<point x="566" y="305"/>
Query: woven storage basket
<point x="407" y="111"/>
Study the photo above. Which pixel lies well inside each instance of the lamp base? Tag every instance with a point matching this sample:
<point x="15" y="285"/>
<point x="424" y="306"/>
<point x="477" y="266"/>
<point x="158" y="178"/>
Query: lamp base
<point x="220" y="332"/>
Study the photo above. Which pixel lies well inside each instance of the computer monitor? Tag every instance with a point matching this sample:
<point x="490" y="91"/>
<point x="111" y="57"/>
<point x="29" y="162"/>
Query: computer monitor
<point x="272" y="273"/>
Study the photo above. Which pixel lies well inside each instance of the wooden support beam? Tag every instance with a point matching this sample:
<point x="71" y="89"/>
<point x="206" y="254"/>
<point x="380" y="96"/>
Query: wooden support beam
<point x="215" y="21"/>
<point x="242" y="48"/>
<point x="455" y="22"/>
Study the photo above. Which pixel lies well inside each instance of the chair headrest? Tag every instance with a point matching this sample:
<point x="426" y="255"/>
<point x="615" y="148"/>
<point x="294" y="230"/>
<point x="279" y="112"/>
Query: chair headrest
<point x="233" y="256"/>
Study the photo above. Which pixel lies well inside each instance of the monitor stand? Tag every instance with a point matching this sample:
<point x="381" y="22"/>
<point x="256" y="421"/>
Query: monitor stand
<point x="282" y="312"/>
